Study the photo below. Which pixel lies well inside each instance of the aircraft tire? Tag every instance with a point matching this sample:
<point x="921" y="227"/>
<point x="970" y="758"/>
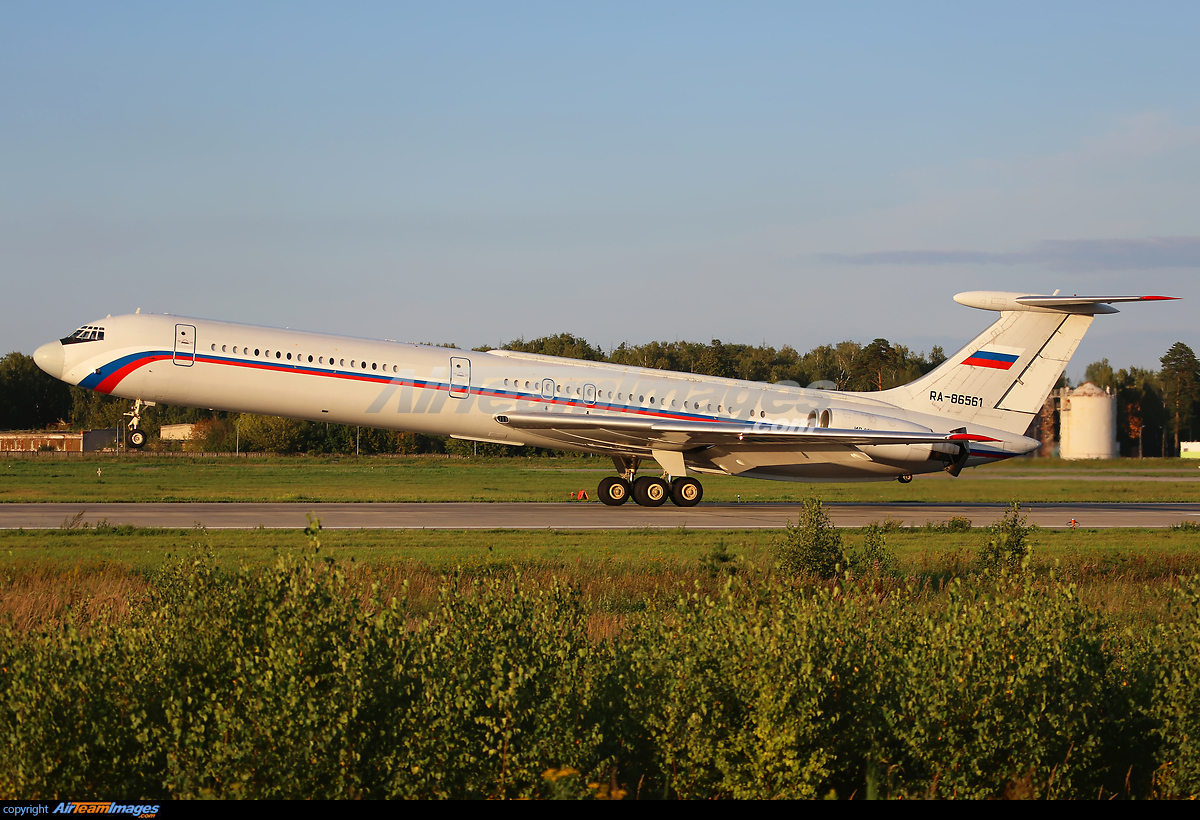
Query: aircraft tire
<point x="686" y="492"/>
<point x="136" y="439"/>
<point x="613" y="491"/>
<point x="904" y="479"/>
<point x="650" y="492"/>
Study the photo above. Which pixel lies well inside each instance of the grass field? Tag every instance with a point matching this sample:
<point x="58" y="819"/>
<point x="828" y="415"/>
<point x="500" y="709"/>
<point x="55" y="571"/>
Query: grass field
<point x="102" y="570"/>
<point x="175" y="662"/>
<point x="350" y="479"/>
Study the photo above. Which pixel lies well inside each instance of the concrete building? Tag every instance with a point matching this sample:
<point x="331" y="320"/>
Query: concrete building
<point x="89" y="441"/>
<point x="176" y="432"/>
<point x="1088" y="423"/>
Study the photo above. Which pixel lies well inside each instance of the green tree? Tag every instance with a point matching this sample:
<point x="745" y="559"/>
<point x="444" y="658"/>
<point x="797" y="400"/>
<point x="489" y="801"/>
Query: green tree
<point x="30" y="398"/>
<point x="813" y="546"/>
<point x="936" y="357"/>
<point x="1100" y="374"/>
<point x="564" y="344"/>
<point x="1180" y="380"/>
<point x="876" y="366"/>
<point x="715" y="361"/>
<point x="1140" y="411"/>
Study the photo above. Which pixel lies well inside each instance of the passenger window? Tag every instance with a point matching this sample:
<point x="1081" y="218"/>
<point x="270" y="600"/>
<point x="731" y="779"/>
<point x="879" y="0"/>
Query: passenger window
<point x="289" y="356"/>
<point x="374" y="366"/>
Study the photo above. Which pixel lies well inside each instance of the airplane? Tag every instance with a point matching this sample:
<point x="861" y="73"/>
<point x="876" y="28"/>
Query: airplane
<point x="971" y="410"/>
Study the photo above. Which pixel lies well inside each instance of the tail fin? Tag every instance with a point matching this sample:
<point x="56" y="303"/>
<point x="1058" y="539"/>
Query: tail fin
<point x="1002" y="377"/>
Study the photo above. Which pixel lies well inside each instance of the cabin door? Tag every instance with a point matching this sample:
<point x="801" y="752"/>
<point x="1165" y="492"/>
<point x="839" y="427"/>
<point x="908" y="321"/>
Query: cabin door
<point x="460" y="378"/>
<point x="185" y="345"/>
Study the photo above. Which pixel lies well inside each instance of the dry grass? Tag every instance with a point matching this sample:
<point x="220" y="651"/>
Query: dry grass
<point x="1128" y="591"/>
<point x="39" y="597"/>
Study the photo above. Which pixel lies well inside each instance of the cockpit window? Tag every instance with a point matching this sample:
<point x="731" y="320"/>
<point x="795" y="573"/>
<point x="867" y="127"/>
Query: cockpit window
<point x="87" y="333"/>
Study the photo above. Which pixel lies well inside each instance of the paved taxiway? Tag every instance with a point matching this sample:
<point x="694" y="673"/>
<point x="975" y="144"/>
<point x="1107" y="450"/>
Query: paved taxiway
<point x="581" y="516"/>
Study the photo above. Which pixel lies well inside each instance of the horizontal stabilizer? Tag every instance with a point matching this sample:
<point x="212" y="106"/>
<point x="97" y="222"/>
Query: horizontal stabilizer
<point x="1087" y="305"/>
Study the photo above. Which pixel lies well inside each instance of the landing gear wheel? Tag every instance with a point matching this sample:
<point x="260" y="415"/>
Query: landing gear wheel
<point x="136" y="439"/>
<point x="686" y="492"/>
<point x="904" y="479"/>
<point x="613" y="491"/>
<point x="650" y="492"/>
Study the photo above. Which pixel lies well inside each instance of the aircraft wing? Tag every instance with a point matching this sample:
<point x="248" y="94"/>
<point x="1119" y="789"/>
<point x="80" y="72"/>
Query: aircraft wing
<point x="668" y="434"/>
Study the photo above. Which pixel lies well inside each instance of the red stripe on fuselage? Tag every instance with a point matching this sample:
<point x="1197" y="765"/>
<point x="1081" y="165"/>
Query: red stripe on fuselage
<point x="110" y="382"/>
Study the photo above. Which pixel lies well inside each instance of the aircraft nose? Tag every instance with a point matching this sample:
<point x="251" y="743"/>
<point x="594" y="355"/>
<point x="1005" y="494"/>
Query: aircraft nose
<point x="50" y="357"/>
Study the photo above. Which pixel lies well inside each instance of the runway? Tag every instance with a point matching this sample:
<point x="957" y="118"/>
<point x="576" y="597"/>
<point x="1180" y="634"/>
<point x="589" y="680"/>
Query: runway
<point x="566" y="516"/>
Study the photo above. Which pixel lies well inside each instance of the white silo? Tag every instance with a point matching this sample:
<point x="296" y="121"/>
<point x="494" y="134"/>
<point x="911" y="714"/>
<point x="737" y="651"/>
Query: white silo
<point x="1088" y="423"/>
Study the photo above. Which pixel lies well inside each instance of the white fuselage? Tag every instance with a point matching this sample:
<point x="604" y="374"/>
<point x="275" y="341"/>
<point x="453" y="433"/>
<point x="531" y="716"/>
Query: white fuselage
<point x="442" y="391"/>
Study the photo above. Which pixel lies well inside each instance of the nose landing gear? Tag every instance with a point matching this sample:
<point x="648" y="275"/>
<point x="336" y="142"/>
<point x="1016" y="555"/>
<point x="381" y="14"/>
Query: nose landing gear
<point x="137" y="438"/>
<point x="647" y="491"/>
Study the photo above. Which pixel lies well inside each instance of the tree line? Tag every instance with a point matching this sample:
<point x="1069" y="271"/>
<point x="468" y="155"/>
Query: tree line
<point x="1156" y="409"/>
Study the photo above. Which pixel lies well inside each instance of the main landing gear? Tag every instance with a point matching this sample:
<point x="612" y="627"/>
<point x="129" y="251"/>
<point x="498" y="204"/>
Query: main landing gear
<point x="136" y="438"/>
<point x="647" y="491"/>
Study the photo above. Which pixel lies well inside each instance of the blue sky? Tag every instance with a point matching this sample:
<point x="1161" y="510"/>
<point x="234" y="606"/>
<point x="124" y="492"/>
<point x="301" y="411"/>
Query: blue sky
<point x="789" y="173"/>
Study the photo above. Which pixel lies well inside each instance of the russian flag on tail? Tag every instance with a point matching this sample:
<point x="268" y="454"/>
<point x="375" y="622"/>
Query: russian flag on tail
<point x="994" y="357"/>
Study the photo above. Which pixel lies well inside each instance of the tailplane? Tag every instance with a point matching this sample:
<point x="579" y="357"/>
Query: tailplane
<point x="1002" y="377"/>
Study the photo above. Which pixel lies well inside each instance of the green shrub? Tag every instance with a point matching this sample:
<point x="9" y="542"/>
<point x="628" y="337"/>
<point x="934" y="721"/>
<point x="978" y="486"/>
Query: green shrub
<point x="719" y="561"/>
<point x="1174" y="697"/>
<point x="1007" y="546"/>
<point x="874" y="555"/>
<point x="290" y="681"/>
<point x="812" y="546"/>
<point x="955" y="523"/>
